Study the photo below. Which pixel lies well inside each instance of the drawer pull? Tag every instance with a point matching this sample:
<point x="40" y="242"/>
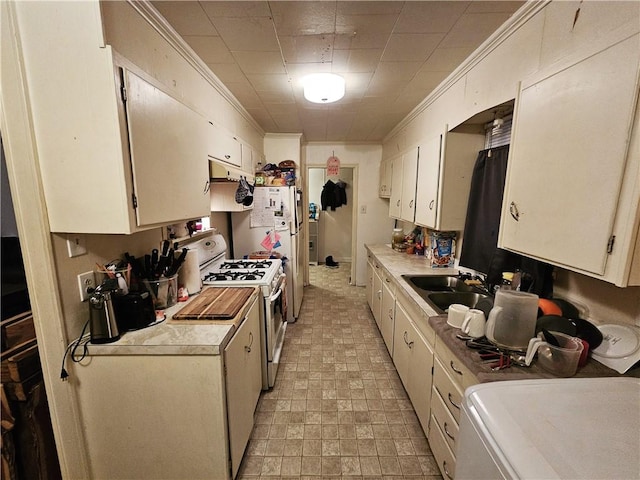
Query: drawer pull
<point x="409" y="344"/>
<point x="447" y="432"/>
<point x="446" y="471"/>
<point x="247" y="348"/>
<point x="454" y="368"/>
<point x="431" y="204"/>
<point x="390" y="314"/>
<point x="452" y="402"/>
<point x="513" y="210"/>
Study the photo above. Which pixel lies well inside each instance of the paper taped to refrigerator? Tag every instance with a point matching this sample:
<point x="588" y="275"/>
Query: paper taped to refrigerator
<point x="269" y="209"/>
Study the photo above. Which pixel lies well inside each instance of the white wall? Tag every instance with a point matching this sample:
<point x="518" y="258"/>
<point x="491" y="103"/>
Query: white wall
<point x="375" y="225"/>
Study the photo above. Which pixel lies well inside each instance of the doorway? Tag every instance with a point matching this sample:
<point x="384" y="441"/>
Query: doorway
<point x="330" y="230"/>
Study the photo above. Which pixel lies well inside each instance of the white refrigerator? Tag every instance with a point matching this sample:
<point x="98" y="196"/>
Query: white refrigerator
<point x="275" y="224"/>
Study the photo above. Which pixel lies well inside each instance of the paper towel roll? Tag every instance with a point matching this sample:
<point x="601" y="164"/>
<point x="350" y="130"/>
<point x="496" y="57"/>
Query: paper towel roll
<point x="189" y="273"/>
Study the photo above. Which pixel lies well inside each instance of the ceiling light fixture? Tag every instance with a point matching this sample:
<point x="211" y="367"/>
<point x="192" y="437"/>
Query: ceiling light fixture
<point x="323" y="87"/>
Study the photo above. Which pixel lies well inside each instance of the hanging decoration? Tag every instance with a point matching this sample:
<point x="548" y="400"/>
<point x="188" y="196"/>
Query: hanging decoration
<point x="333" y="166"/>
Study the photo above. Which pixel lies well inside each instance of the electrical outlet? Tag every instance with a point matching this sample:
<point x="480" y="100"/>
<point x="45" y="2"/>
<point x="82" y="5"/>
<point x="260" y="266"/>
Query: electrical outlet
<point x="85" y="281"/>
<point x="76" y="244"/>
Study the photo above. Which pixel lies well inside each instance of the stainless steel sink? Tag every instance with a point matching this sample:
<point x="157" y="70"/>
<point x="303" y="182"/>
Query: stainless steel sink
<point x="441" y="291"/>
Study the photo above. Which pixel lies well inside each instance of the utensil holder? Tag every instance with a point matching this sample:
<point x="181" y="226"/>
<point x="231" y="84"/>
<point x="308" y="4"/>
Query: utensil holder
<point x="164" y="291"/>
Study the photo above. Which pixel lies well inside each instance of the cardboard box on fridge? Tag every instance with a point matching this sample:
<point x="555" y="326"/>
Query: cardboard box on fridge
<point x="440" y="249"/>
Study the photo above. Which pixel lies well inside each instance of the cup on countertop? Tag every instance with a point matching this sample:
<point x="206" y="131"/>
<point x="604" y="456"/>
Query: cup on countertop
<point x="474" y="323"/>
<point x="455" y="314"/>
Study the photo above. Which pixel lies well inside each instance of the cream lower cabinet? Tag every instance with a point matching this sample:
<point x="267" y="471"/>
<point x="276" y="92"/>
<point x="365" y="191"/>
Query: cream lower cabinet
<point x="413" y="358"/>
<point x="572" y="188"/>
<point x="387" y="311"/>
<point x="376" y="293"/>
<point x="179" y="416"/>
<point x="369" y="284"/>
<point x="450" y="379"/>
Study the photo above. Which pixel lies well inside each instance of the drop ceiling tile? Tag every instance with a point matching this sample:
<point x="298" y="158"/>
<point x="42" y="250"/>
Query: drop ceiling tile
<point x="259" y="62"/>
<point x="187" y="18"/>
<point x="269" y="98"/>
<point x="303" y="18"/>
<point x="392" y="76"/>
<point x="365" y="24"/>
<point x="411" y="47"/>
<point x="227" y="72"/>
<point x="256" y="34"/>
<point x="261" y="115"/>
<point x="210" y="49"/>
<point x="235" y="8"/>
<point x="245" y="94"/>
<point x="425" y="81"/>
<point x="307" y="48"/>
<point x="496" y="6"/>
<point x="446" y="59"/>
<point x="276" y="83"/>
<point x="429" y="17"/>
<point x="473" y="29"/>
<point x="369" y="7"/>
<point x="287" y="123"/>
<point x="364" y="60"/>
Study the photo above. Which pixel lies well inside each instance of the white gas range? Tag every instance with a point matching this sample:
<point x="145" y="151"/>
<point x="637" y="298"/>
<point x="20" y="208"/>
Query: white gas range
<point x="213" y="269"/>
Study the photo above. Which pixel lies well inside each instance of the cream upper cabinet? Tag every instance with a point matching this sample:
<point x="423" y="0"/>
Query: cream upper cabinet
<point x="444" y="178"/>
<point x="572" y="188"/>
<point x="223" y="146"/>
<point x="168" y="151"/>
<point x="403" y="185"/>
<point x="409" y="174"/>
<point x="395" y="199"/>
<point x="112" y="159"/>
<point x="384" y="190"/>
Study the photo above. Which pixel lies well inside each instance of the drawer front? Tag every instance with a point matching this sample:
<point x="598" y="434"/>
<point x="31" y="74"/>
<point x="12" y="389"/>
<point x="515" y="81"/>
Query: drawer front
<point x="441" y="451"/>
<point x="454" y="367"/>
<point x="444" y="419"/>
<point x="450" y="392"/>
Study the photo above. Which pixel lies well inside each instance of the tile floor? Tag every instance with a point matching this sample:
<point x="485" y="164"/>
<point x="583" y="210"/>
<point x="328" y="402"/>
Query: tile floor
<point x="338" y="408"/>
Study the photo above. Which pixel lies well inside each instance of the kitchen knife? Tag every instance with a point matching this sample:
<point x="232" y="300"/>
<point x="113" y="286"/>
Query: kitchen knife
<point x="178" y="263"/>
<point x="148" y="272"/>
<point x="154" y="258"/>
<point x="165" y="247"/>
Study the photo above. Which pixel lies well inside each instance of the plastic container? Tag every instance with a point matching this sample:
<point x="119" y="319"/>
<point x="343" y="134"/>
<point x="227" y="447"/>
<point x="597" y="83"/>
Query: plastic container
<point x="561" y="361"/>
<point x="164" y="291"/>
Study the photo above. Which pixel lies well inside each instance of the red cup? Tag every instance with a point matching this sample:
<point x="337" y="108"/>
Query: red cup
<point x="584" y="355"/>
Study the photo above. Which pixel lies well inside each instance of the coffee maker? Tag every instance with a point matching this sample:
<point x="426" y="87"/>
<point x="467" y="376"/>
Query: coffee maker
<point x="103" y="326"/>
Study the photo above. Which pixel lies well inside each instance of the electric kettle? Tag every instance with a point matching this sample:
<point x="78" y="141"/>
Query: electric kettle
<point x="512" y="320"/>
<point x="102" y="318"/>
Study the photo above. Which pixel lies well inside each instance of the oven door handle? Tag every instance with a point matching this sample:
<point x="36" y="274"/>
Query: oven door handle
<point x="275" y="296"/>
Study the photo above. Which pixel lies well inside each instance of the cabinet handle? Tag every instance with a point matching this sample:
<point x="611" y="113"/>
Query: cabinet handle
<point x="446" y="472"/>
<point x="390" y="314"/>
<point x="387" y="280"/>
<point x="398" y="203"/>
<point x="431" y="204"/>
<point x="454" y="368"/>
<point x="411" y="204"/>
<point x="452" y="402"/>
<point x="207" y="187"/>
<point x="379" y="293"/>
<point x="447" y="432"/>
<point x="227" y="157"/>
<point x="409" y="344"/>
<point x="513" y="210"/>
<point x="247" y="348"/>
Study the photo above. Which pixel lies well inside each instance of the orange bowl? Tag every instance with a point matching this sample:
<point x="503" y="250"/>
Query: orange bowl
<point x="548" y="307"/>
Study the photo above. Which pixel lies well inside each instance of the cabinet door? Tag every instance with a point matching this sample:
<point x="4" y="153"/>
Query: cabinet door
<point x="369" y="285"/>
<point x="395" y="202"/>
<point x="428" y="180"/>
<point x="377" y="294"/>
<point x="420" y="379"/>
<point x="384" y="190"/>
<point x="168" y="155"/>
<point x="402" y="344"/>
<point x="243" y="366"/>
<point x="387" y="314"/>
<point x="223" y="146"/>
<point x="567" y="159"/>
<point x="409" y="174"/>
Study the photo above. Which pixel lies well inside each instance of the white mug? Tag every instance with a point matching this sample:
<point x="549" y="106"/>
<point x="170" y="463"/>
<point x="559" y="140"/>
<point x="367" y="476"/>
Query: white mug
<point x="455" y="314"/>
<point x="473" y="323"/>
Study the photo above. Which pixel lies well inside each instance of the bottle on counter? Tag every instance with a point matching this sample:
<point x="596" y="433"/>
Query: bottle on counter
<point x="507" y="281"/>
<point x="397" y="237"/>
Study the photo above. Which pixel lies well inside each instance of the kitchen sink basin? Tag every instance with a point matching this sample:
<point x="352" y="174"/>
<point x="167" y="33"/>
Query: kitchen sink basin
<point x="441" y="291"/>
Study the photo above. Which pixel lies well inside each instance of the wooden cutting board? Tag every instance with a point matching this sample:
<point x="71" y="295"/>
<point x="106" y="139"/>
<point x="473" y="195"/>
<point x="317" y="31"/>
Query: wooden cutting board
<point x="215" y="303"/>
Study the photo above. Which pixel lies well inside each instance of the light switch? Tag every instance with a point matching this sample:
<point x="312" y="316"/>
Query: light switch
<point x="76" y="244"/>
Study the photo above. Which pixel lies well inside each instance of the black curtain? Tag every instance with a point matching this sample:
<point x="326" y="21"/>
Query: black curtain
<point x="479" y="246"/>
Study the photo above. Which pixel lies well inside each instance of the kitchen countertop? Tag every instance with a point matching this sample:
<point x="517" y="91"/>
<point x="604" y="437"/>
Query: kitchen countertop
<point x="166" y="338"/>
<point x="398" y="264"/>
